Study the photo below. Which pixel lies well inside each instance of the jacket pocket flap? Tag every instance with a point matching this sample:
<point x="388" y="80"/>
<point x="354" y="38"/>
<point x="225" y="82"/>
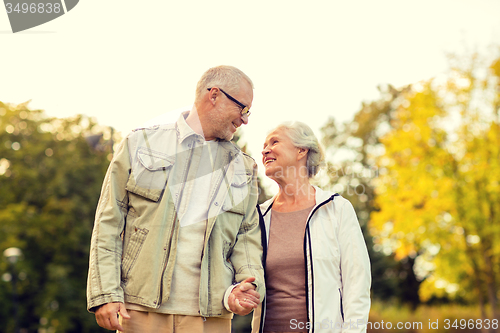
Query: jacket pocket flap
<point x="238" y="191"/>
<point x="150" y="173"/>
<point x="240" y="180"/>
<point x="153" y="160"/>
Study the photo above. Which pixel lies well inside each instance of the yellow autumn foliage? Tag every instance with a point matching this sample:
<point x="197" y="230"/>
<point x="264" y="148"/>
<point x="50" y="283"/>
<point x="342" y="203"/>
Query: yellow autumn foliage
<point x="438" y="190"/>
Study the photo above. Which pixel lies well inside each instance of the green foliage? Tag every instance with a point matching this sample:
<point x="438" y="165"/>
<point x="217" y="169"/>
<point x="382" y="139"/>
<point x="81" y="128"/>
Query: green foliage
<point x="50" y="180"/>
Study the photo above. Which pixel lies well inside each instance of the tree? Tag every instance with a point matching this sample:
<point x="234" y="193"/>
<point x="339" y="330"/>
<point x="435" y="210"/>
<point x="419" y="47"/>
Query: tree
<point x="351" y="150"/>
<point x="441" y="170"/>
<point x="50" y="178"/>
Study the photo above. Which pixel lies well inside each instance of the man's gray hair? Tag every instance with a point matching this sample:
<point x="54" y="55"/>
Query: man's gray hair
<point x="302" y="136"/>
<point x="225" y="77"/>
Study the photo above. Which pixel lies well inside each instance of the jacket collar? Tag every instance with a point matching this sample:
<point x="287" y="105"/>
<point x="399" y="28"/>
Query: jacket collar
<point x="320" y="197"/>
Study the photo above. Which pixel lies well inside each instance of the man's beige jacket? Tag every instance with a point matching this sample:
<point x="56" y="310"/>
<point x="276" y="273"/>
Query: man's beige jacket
<point x="133" y="249"/>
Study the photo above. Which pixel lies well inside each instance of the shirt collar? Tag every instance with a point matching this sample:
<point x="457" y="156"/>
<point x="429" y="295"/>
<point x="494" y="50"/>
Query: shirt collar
<point x="184" y="131"/>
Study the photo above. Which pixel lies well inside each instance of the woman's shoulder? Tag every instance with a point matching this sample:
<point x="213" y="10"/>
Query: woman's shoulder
<point x="338" y="201"/>
<point x="327" y="195"/>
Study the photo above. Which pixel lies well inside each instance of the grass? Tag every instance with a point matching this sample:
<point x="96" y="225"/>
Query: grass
<point x="436" y="319"/>
<point x="386" y="317"/>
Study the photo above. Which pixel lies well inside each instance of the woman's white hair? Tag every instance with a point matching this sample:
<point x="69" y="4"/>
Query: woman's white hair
<point x="302" y="136"/>
<point x="225" y="77"/>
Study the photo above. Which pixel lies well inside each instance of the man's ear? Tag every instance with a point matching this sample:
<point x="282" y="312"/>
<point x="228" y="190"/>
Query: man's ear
<point x="212" y="95"/>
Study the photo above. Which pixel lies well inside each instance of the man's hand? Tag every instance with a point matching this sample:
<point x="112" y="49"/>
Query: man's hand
<point x="107" y="316"/>
<point x="243" y="299"/>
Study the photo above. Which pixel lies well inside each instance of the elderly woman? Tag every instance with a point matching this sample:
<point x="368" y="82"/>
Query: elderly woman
<point x="316" y="263"/>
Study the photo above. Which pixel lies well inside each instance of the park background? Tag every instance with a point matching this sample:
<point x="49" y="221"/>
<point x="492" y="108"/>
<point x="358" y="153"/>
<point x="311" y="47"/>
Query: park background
<point x="403" y="94"/>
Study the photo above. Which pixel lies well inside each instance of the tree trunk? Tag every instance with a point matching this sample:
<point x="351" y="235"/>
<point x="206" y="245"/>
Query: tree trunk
<point x="479" y="282"/>
<point x="477" y="275"/>
<point x="490" y="282"/>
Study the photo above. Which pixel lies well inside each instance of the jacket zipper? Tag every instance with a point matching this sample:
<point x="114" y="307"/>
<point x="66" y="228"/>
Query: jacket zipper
<point x="310" y="299"/>
<point x="341" y="306"/>
<point x="209" y="301"/>
<point x="173" y="228"/>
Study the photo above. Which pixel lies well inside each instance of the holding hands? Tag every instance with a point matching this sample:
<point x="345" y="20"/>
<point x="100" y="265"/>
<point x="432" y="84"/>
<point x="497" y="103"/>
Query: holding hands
<point x="244" y="298"/>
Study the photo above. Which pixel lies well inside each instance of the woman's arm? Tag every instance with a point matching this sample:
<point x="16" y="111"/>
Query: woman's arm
<point x="355" y="271"/>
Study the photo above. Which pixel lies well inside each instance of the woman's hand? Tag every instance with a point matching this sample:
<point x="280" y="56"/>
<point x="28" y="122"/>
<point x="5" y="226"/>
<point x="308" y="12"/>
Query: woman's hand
<point x="243" y="299"/>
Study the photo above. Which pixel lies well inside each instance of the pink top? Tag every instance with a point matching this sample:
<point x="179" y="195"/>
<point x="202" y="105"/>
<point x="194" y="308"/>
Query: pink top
<point x="285" y="272"/>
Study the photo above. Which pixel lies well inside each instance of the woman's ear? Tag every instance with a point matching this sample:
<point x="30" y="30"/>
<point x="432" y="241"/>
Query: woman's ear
<point x="302" y="153"/>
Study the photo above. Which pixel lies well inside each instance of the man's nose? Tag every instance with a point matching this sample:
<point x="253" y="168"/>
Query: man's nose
<point x="244" y="118"/>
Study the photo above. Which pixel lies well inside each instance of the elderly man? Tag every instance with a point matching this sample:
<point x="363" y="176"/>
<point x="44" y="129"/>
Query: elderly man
<point x="176" y="245"/>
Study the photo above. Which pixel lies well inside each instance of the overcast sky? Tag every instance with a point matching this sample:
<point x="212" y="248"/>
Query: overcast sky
<point x="128" y="62"/>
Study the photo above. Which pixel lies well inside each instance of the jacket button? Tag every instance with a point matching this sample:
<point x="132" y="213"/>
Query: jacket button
<point x="216" y="203"/>
<point x="135" y="229"/>
<point x="154" y="302"/>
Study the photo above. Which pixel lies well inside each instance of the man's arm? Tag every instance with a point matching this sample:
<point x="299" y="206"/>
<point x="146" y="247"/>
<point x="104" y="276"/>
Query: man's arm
<point x="103" y="285"/>
<point x="247" y="258"/>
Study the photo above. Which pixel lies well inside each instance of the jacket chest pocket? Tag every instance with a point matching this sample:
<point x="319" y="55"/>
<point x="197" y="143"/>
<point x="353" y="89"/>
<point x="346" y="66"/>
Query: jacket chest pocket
<point x="150" y="172"/>
<point x="238" y="192"/>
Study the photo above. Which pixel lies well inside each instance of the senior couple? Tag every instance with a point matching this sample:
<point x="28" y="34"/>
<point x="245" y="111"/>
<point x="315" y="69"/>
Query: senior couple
<point x="180" y="244"/>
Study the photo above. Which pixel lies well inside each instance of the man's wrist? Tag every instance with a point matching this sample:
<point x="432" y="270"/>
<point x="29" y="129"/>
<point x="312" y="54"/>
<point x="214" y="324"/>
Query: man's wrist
<point x="226" y="295"/>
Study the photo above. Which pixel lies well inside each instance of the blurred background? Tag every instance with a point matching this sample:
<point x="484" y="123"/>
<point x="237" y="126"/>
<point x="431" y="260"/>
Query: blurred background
<point x="421" y="165"/>
<point x="405" y="97"/>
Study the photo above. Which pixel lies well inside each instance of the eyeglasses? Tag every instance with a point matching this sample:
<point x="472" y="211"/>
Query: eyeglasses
<point x="244" y="109"/>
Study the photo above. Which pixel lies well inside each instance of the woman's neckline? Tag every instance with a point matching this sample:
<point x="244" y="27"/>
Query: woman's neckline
<point x="293" y="211"/>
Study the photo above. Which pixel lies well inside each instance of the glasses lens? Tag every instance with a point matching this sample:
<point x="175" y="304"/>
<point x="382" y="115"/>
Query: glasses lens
<point x="245" y="112"/>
